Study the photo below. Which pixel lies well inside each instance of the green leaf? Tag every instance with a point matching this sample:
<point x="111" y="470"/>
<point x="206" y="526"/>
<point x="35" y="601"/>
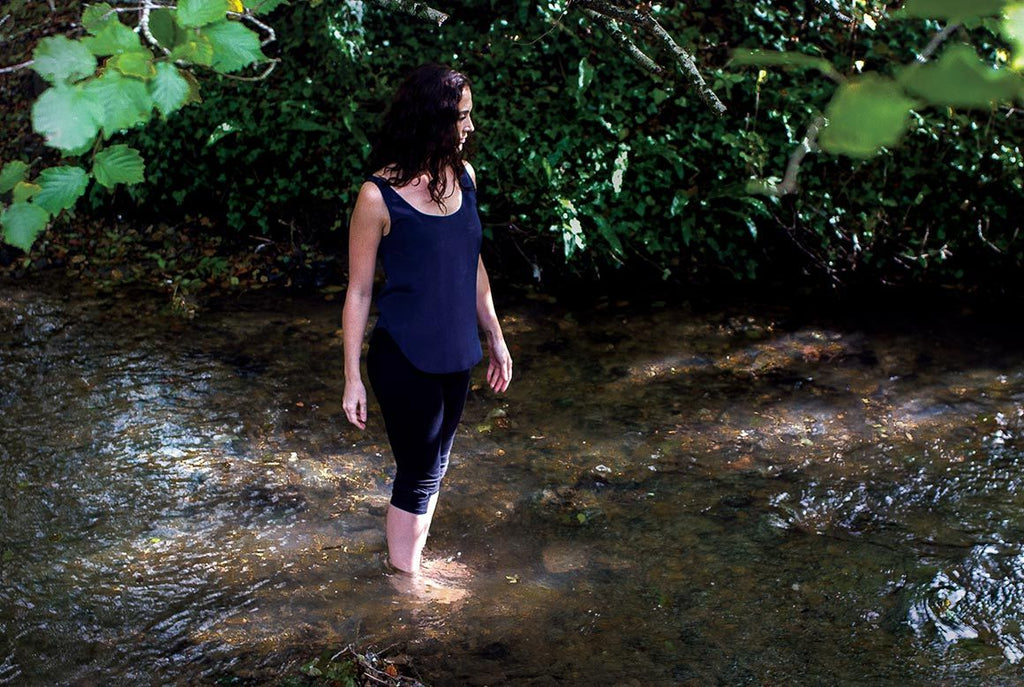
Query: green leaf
<point x="23" y="191"/>
<point x="113" y="39"/>
<point x="585" y="75"/>
<point x="23" y="223"/>
<point x="772" y="58"/>
<point x="265" y="6"/>
<point x="169" y="89"/>
<point x="234" y="45"/>
<point x="196" y="13"/>
<point x="864" y="115"/>
<point x="961" y="79"/>
<point x="124" y="102"/>
<point x="608" y="231"/>
<point x="196" y="49"/>
<point x="58" y="59"/>
<point x="953" y="10"/>
<point x="60" y="188"/>
<point x="165" y="30"/>
<point x="1013" y="29"/>
<point x="11" y="174"/>
<point x="95" y="17"/>
<point x="67" y="117"/>
<point x="118" y="164"/>
<point x="138" y="64"/>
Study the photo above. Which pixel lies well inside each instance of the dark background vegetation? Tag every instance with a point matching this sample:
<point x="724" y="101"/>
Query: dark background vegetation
<point x="254" y="185"/>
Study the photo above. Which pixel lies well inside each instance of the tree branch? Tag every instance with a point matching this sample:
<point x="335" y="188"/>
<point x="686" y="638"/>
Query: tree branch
<point x="832" y="7"/>
<point x="809" y="143"/>
<point x="937" y="40"/>
<point x="642" y="19"/>
<point x="271" y="34"/>
<point x="415" y="8"/>
<point x="147" y="33"/>
<point x="626" y="42"/>
<point x="16" y="67"/>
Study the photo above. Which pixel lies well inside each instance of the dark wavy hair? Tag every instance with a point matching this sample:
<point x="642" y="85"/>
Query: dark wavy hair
<point x="418" y="132"/>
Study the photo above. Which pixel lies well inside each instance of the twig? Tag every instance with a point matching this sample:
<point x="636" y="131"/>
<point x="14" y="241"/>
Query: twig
<point x="532" y="263"/>
<point x="985" y="240"/>
<point x="415" y="8"/>
<point x="556" y="24"/>
<point x="832" y="7"/>
<point x="147" y="33"/>
<point x="270" y="67"/>
<point x="16" y="67"/>
<point x="808" y="144"/>
<point x="935" y="42"/>
<point x="626" y="42"/>
<point x="271" y="35"/>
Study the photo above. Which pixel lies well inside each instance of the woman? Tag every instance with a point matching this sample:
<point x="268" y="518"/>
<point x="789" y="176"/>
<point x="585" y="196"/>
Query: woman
<point x="418" y="213"/>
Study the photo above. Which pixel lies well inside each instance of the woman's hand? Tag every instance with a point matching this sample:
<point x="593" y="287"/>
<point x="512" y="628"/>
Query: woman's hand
<point x="355" y="403"/>
<point x="499" y="369"/>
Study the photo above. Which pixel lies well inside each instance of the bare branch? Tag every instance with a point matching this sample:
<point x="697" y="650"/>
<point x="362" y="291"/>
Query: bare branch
<point x="147" y="33"/>
<point x="937" y="40"/>
<point x="643" y="20"/>
<point x="832" y="7"/>
<point x="272" y="64"/>
<point x="271" y="34"/>
<point x="808" y="144"/>
<point x="17" y="67"/>
<point x="689" y="68"/>
<point x="984" y="239"/>
<point x="626" y="42"/>
<point x="415" y="8"/>
<point x="789" y="184"/>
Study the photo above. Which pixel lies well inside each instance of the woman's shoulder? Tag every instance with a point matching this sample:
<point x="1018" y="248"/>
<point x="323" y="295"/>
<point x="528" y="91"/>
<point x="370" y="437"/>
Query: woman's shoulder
<point x="371" y="196"/>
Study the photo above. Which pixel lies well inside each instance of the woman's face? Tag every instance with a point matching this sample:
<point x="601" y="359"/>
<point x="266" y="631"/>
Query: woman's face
<point x="464" y="125"/>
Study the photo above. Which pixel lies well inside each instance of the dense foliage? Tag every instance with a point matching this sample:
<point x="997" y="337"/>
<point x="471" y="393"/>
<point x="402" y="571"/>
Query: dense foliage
<point x="590" y="166"/>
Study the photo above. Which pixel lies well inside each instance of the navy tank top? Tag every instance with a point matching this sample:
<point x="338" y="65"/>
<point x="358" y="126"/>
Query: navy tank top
<point x="428" y="303"/>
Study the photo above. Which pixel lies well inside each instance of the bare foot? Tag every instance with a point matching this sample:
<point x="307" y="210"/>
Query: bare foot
<point x="420" y="588"/>
<point x="439" y="581"/>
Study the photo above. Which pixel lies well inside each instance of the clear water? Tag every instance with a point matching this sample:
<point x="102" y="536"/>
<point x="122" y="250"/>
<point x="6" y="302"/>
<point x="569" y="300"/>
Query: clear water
<point x="663" y="497"/>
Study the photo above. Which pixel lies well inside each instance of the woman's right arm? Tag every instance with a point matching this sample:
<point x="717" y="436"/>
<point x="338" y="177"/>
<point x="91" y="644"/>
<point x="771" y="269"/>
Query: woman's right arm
<point x="369" y="222"/>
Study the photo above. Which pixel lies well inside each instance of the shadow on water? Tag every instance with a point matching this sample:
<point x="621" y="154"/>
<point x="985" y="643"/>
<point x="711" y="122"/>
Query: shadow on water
<point x="663" y="497"/>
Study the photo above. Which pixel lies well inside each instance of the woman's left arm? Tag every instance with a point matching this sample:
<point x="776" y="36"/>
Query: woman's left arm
<point x="499" y="369"/>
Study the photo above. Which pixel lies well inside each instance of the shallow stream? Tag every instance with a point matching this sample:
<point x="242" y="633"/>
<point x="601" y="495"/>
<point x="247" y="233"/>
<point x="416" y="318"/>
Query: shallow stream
<point x="665" y="496"/>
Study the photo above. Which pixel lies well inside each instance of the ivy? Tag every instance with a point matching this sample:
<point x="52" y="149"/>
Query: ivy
<point x="585" y="159"/>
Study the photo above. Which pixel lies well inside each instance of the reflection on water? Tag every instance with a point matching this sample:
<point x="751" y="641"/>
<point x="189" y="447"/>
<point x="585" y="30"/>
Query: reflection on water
<point x="663" y="497"/>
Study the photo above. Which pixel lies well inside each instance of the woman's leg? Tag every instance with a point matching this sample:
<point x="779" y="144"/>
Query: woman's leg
<point x="407" y="535"/>
<point x="421" y="412"/>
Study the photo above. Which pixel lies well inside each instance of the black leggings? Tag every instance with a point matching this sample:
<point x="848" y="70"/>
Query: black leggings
<point x="421" y="412"/>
